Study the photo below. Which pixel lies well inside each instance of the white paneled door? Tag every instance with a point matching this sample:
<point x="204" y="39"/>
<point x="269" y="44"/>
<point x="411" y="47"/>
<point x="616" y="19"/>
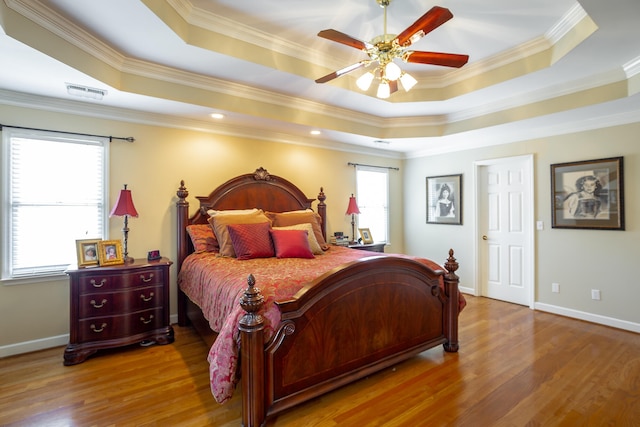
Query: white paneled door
<point x="505" y="224"/>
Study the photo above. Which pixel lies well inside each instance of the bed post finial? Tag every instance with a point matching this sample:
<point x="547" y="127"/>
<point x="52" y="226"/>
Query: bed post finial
<point x="252" y="356"/>
<point x="251" y="302"/>
<point x="451" y="265"/>
<point x="451" y="281"/>
<point x="182" y="192"/>
<point x="322" y="211"/>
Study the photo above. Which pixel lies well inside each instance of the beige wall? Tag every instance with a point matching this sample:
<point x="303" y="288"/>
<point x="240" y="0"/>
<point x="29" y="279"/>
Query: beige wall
<point x="152" y="167"/>
<point x="580" y="260"/>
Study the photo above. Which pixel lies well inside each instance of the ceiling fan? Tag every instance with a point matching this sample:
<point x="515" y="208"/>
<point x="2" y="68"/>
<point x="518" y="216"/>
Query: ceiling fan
<point x="385" y="48"/>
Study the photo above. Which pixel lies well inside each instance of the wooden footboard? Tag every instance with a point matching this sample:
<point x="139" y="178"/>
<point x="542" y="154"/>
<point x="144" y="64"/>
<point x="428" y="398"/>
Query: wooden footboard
<point x="360" y="318"/>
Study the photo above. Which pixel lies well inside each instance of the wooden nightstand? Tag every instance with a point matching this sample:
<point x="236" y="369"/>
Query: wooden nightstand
<point x="118" y="305"/>
<point x="371" y="247"/>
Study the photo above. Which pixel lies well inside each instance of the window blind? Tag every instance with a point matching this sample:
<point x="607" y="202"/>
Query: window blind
<point x="56" y="194"/>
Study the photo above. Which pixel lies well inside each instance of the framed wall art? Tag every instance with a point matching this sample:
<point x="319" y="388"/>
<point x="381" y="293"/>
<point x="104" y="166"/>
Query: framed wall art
<point x="588" y="194"/>
<point x="110" y="252"/>
<point x="87" y="251"/>
<point x="444" y="199"/>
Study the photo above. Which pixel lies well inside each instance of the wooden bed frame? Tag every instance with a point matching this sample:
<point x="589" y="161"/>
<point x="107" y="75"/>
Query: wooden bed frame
<point x="348" y="323"/>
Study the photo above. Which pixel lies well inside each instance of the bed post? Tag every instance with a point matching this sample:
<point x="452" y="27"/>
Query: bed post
<point x="183" y="220"/>
<point x="451" y="290"/>
<point x="322" y="211"/>
<point x="252" y="356"/>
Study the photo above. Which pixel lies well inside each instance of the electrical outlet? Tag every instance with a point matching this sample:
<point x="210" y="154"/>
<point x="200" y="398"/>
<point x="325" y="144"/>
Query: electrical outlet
<point x="595" y="294"/>
<point x="555" y="287"/>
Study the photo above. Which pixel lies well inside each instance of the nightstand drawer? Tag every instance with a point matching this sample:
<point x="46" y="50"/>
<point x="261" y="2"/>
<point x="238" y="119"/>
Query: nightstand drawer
<point x="106" y="328"/>
<point x="107" y="303"/>
<point x="109" y="282"/>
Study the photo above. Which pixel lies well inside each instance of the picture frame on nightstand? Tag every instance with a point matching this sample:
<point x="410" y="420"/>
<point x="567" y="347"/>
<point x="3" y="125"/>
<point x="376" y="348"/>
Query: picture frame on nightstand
<point x="365" y="235"/>
<point x="87" y="251"/>
<point x="110" y="252"/>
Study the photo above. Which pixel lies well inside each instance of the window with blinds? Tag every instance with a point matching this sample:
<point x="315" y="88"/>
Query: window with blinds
<point x="373" y="201"/>
<point x="55" y="189"/>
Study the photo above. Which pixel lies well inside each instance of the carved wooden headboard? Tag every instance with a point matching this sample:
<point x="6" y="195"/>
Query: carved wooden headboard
<point x="259" y="189"/>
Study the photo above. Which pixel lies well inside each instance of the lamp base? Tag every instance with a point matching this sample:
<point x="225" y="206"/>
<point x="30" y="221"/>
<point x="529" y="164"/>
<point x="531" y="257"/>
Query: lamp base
<point x="128" y="260"/>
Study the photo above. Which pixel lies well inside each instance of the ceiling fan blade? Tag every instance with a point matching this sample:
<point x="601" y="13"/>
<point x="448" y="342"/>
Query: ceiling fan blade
<point x="345" y="39"/>
<point x="435" y="58"/>
<point x="428" y="22"/>
<point x="341" y="72"/>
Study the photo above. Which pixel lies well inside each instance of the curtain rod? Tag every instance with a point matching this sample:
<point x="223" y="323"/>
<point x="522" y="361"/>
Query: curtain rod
<point x="111" y="138"/>
<point x="373" y="166"/>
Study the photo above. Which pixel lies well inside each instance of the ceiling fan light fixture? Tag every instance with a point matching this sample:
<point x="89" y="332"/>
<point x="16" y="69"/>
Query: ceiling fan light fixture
<point x="364" y="81"/>
<point x="407" y="81"/>
<point x="384" y="49"/>
<point x="392" y="71"/>
<point x="417" y="36"/>
<point x="384" y="91"/>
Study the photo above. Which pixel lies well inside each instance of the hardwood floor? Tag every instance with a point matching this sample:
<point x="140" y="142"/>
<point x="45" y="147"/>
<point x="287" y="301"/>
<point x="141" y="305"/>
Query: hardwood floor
<point x="515" y="367"/>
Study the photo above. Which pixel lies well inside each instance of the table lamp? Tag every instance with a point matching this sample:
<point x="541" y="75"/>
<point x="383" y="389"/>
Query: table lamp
<point x="352" y="210"/>
<point x="124" y="207"/>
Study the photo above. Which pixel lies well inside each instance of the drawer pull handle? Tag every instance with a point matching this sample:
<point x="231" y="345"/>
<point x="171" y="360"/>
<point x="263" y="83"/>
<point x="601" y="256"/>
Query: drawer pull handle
<point x="96" y="305"/>
<point x="145" y="279"/>
<point x="146" y="322"/>
<point x="145" y="299"/>
<point x="98" y="285"/>
<point x="94" y="329"/>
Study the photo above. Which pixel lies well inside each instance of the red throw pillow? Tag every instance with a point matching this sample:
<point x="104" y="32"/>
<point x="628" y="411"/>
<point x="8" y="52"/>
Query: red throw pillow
<point x="251" y="240"/>
<point x="291" y="243"/>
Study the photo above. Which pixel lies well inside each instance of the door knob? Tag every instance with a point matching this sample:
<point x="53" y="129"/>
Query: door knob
<point x="484" y="238"/>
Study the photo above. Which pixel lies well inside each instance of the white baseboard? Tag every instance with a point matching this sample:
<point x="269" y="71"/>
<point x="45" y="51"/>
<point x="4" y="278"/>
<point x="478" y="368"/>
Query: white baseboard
<point x="35" y="345"/>
<point x="466" y="290"/>
<point x="44" y="343"/>
<point x="589" y="317"/>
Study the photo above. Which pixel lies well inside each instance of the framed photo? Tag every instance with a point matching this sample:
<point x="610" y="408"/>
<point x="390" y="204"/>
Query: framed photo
<point x="444" y="199"/>
<point x="588" y="194"/>
<point x="87" y="251"/>
<point x="110" y="252"/>
<point x="365" y="235"/>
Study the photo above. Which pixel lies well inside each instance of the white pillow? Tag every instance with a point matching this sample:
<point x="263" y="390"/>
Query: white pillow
<point x="313" y="242"/>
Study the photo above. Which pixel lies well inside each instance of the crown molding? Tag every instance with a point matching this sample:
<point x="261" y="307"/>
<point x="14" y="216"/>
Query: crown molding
<point x="24" y="100"/>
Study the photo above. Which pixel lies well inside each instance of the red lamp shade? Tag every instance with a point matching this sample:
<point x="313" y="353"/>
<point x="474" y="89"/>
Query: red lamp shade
<point x="124" y="204"/>
<point x="353" y="206"/>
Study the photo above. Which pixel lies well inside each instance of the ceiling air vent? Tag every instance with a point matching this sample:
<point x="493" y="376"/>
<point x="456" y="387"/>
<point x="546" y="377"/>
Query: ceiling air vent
<point x="85" y="91"/>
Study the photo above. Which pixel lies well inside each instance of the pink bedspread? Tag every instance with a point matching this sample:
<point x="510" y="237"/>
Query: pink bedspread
<point x="217" y="291"/>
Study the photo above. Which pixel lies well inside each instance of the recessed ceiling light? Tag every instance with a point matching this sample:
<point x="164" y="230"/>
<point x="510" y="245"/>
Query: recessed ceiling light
<point x="315" y="132"/>
<point x="217" y="116"/>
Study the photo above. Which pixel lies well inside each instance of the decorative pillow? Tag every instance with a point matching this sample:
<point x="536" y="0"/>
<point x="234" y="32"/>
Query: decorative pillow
<point x="212" y="212"/>
<point x="251" y="240"/>
<point x="220" y="223"/>
<point x="313" y="242"/>
<point x="285" y="219"/>
<point x="291" y="243"/>
<point x="202" y="238"/>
